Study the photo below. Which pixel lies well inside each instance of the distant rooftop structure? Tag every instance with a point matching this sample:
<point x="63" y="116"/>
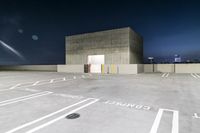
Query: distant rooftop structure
<point x="116" y="46"/>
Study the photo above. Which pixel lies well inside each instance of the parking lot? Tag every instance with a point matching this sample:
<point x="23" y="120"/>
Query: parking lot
<point x="144" y="103"/>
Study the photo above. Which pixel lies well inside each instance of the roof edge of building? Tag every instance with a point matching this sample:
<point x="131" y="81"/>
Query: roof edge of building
<point x="85" y="33"/>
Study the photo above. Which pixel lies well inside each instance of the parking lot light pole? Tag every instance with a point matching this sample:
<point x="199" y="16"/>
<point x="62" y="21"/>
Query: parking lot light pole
<point x="151" y="61"/>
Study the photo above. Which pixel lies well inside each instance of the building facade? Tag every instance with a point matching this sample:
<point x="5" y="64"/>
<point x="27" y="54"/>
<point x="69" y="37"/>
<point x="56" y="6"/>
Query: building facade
<point x="117" y="46"/>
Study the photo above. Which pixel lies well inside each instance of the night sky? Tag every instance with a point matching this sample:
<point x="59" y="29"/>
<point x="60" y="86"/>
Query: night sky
<point x="37" y="29"/>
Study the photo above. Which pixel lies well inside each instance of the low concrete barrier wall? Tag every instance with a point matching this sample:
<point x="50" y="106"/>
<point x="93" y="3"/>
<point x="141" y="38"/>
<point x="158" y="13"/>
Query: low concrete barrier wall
<point x="140" y="68"/>
<point x="30" y="68"/>
<point x="148" y="68"/>
<point x="110" y="68"/>
<point x="187" y="68"/>
<point x="106" y="68"/>
<point x="172" y="68"/>
<point x="164" y="68"/>
<point x="128" y="69"/>
<point x="123" y="68"/>
<point x="70" y="68"/>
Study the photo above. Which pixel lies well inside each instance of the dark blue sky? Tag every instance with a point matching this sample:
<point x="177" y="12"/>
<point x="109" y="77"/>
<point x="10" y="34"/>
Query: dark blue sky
<point x="168" y="26"/>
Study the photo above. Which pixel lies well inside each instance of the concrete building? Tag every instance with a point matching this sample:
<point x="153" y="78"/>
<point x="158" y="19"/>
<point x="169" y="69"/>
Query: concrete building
<point x="117" y="46"/>
<point x="110" y="51"/>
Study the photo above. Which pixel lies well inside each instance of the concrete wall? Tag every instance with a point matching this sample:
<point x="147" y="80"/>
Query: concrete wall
<point x="171" y="68"/>
<point x="164" y="68"/>
<point x="107" y="68"/>
<point x="135" y="68"/>
<point x="114" y="44"/>
<point x="30" y="68"/>
<point x="128" y="69"/>
<point x="111" y="43"/>
<point x="140" y="68"/>
<point x="123" y="68"/>
<point x="187" y="68"/>
<point x="148" y="68"/>
<point x="71" y="68"/>
<point x="136" y="48"/>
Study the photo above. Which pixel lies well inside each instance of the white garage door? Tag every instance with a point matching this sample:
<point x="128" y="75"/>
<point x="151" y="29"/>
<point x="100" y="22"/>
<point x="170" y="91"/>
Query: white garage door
<point x="95" y="61"/>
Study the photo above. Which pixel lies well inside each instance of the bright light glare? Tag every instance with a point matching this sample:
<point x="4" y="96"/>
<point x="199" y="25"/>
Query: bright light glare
<point x="12" y="50"/>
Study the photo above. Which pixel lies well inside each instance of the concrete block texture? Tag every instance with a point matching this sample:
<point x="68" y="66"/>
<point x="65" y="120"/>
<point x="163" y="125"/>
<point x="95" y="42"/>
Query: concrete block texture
<point x="120" y="46"/>
<point x="123" y="68"/>
<point x="128" y="69"/>
<point x="148" y="68"/>
<point x="30" y="68"/>
<point x="164" y="68"/>
<point x="70" y="68"/>
<point x="135" y="48"/>
<point x="187" y="68"/>
<point x="106" y="69"/>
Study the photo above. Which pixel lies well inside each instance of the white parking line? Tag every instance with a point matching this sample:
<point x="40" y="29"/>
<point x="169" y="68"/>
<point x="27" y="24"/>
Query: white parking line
<point x="38" y="83"/>
<point x="175" y="121"/>
<point x="61" y="117"/>
<point x="19" y="99"/>
<point x="60" y="81"/>
<point x="156" y="122"/>
<point x="51" y="81"/>
<point x="11" y="88"/>
<point x="52" y="114"/>
<point x="193" y="75"/>
<point x="165" y="75"/>
<point x="197" y="75"/>
<point x="196" y="116"/>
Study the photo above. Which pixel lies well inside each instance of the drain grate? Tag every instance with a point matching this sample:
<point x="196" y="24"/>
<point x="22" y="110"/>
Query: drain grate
<point x="73" y="116"/>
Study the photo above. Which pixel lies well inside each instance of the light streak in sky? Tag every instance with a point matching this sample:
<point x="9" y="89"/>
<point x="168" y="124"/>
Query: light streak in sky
<point x="12" y="50"/>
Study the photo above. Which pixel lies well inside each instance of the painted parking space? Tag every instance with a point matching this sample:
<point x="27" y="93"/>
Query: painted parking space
<point x="12" y="94"/>
<point x="19" y="113"/>
<point x="35" y="83"/>
<point x="134" y="103"/>
<point x="165" y="75"/>
<point x="195" y="75"/>
<point x="100" y="118"/>
<point x="118" y="119"/>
